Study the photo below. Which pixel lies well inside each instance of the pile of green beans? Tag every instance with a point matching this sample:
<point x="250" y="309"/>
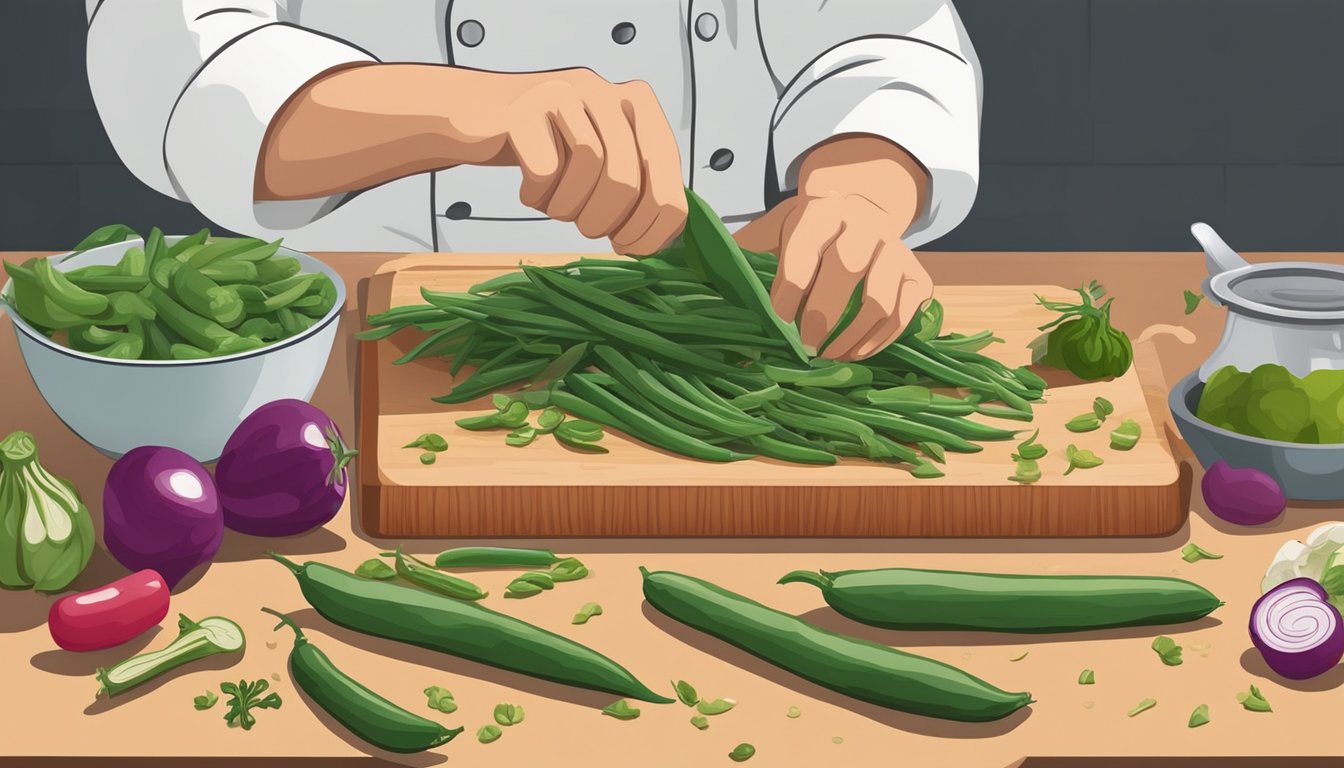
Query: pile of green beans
<point x="198" y="298"/>
<point x="671" y="354"/>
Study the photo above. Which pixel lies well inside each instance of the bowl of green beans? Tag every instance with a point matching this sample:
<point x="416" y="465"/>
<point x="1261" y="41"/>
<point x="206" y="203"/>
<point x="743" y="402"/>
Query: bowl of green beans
<point x="172" y="341"/>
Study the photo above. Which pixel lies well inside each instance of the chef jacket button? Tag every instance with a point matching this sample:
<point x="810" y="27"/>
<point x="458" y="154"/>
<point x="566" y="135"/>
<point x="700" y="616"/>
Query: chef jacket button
<point x="623" y="33"/>
<point x="706" y="26"/>
<point x="459" y="210"/>
<point x="721" y="159"/>
<point x="470" y="33"/>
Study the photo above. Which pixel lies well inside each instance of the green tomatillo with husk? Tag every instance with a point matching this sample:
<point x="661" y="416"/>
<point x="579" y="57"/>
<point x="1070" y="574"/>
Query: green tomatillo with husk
<point x="46" y="535"/>
<point x="1082" y="339"/>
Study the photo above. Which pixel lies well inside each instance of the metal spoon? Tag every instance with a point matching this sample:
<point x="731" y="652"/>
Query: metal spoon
<point x="1218" y="255"/>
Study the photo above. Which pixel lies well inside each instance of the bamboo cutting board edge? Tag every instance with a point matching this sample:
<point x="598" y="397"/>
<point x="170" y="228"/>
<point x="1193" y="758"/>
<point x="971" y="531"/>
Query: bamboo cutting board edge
<point x="576" y="509"/>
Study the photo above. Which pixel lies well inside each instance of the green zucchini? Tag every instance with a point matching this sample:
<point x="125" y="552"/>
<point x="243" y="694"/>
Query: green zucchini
<point x="911" y="598"/>
<point x="859" y="668"/>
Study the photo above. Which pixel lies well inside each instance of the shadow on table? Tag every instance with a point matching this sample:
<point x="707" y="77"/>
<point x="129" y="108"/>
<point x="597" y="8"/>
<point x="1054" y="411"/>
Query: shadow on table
<point x="1253" y="662"/>
<point x="241" y="547"/>
<point x="827" y="618"/>
<point x="425" y="657"/>
<point x="86" y="663"/>
<point x="924" y="726"/>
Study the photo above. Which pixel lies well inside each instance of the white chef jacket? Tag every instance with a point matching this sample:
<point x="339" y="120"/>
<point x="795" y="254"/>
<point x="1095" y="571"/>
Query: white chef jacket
<point x="187" y="89"/>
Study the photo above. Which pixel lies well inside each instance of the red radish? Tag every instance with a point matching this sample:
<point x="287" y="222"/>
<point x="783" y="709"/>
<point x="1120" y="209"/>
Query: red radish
<point x="109" y="615"/>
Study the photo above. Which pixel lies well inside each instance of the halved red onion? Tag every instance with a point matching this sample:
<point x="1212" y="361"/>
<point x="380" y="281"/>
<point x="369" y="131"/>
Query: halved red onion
<point x="1296" y="629"/>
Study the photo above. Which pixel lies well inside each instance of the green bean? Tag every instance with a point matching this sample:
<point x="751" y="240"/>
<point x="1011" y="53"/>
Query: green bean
<point x="775" y="448"/>
<point x="649" y="387"/>
<point x="157" y="345"/>
<point x="112" y="233"/>
<point x="188" y="352"/>
<point x="103" y="284"/>
<point x="276" y="269"/>
<point x="231" y="270"/>
<point x="161" y="273"/>
<point x="647" y="428"/>
<point x="966" y="428"/>
<point x="477" y="385"/>
<point x="134" y="263"/>
<point x="158" y="250"/>
<point x="206" y="298"/>
<point x="199" y="331"/>
<point x="219" y="249"/>
<point x="902" y="427"/>
<point x="553" y="287"/>
<point x="583" y="409"/>
<point x="647" y="407"/>
<point x="65" y="294"/>
<point x="261" y="328"/>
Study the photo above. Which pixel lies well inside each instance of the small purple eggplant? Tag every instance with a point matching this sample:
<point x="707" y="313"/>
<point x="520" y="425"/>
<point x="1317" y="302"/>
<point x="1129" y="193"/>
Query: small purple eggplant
<point x="283" y="470"/>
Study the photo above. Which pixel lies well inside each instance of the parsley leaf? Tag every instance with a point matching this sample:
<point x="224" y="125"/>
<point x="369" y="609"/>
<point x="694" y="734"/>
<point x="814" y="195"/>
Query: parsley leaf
<point x="244" y="697"/>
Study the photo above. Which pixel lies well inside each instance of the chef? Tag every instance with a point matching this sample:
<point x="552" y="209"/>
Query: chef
<point x="838" y="134"/>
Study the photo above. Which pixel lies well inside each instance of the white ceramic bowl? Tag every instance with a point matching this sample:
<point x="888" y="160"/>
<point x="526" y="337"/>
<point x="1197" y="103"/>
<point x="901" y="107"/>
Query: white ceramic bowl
<point x="191" y="405"/>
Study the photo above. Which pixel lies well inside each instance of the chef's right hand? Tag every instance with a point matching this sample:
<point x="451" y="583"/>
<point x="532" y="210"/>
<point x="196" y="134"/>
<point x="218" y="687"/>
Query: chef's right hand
<point x="599" y="154"/>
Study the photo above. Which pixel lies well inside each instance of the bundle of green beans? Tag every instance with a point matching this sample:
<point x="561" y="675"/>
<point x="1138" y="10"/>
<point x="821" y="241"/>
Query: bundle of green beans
<point x="196" y="298"/>
<point x="680" y="350"/>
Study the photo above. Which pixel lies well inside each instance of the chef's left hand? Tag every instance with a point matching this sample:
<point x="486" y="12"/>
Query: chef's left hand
<point x="857" y="196"/>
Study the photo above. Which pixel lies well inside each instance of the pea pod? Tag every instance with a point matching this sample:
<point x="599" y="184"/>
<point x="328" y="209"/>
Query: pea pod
<point x="66" y="294"/>
<point x="913" y="599"/>
<point x="495" y="557"/>
<point x="364" y="713"/>
<point x="421" y="574"/>
<point x="207" y="298"/>
<point x="464" y="629"/>
<point x="864" y="670"/>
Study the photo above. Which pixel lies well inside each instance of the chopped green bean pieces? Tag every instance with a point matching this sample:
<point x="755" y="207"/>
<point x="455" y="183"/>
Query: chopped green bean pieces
<point x="1142" y="706"/>
<point x="1193" y="553"/>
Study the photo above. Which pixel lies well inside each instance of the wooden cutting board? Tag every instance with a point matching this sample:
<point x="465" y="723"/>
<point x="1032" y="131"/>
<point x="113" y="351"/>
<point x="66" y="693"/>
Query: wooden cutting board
<point x="481" y="487"/>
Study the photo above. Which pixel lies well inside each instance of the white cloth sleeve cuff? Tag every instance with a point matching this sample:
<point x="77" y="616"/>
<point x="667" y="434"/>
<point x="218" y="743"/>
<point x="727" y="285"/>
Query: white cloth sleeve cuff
<point x="916" y="95"/>
<point x="216" y="130"/>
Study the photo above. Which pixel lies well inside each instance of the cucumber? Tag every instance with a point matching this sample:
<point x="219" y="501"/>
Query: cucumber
<point x="911" y="598"/>
<point x="862" y="669"/>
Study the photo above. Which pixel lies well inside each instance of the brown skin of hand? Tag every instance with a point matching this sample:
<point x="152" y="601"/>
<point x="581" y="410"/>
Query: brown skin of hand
<point x="857" y="196"/>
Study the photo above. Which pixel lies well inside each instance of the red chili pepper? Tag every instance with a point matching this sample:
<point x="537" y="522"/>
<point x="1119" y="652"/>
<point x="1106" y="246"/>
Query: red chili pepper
<point x="109" y="615"/>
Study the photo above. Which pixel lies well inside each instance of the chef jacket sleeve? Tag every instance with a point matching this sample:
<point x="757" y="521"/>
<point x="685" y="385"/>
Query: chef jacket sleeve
<point x="187" y="89"/>
<point x="905" y="71"/>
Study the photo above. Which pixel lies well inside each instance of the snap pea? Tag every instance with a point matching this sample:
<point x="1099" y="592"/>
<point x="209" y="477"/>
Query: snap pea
<point x="156" y="250"/>
<point x="161" y="273"/>
<point x="862" y="669"/>
<point x="218" y="249"/>
<point x="364" y="713"/>
<point x="66" y="294"/>
<point x="188" y="352"/>
<point x="112" y="233"/>
<point x="495" y="557"/>
<point x="104" y="283"/>
<point x="207" y="298"/>
<point x="421" y="574"/>
<point x="464" y="629"/>
<point x="276" y="269"/>
<point x="230" y="270"/>
<point x="199" y="331"/>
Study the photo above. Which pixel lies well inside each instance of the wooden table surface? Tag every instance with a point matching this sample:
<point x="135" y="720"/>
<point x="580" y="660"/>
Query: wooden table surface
<point x="48" y="715"/>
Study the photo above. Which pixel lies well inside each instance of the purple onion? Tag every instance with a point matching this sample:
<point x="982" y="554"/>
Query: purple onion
<point x="1242" y="496"/>
<point x="282" y="471"/>
<point x="1297" y="630"/>
<point x="161" y="511"/>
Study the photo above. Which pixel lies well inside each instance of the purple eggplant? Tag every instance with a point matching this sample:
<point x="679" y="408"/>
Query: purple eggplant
<point x="161" y="511"/>
<point x="283" y="470"/>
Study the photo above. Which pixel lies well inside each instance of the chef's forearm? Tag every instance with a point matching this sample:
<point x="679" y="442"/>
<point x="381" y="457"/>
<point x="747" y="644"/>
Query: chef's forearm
<point x="360" y="126"/>
<point x="870" y="166"/>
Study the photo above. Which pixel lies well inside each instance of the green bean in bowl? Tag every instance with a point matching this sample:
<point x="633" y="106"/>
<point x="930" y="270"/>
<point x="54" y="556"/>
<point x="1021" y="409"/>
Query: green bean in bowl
<point x="194" y="298"/>
<point x="171" y="340"/>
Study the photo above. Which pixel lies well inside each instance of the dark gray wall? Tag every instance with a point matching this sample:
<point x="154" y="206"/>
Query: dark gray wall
<point x="1108" y="125"/>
